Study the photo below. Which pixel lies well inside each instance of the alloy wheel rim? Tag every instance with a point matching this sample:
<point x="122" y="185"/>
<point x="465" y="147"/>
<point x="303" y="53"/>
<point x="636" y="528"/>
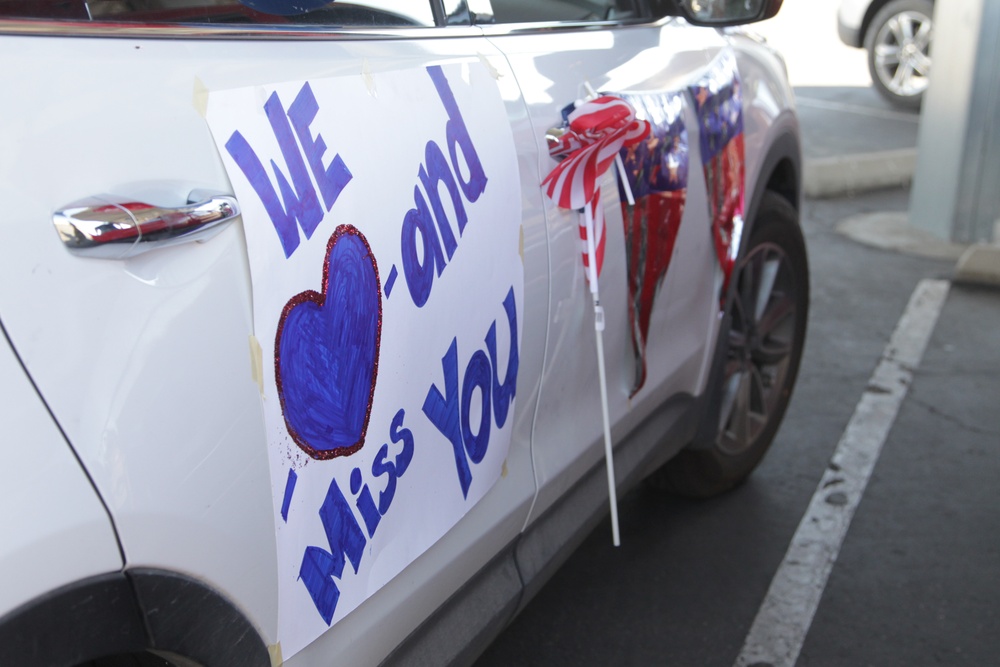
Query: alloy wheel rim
<point x="902" y="53"/>
<point x="761" y="341"/>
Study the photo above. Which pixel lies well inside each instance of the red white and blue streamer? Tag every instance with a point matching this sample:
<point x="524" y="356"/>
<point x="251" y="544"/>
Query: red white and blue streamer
<point x="597" y="131"/>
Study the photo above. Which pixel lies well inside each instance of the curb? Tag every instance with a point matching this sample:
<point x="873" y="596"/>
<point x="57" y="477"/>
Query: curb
<point x="853" y="174"/>
<point x="892" y="231"/>
<point x="980" y="264"/>
<point x="977" y="264"/>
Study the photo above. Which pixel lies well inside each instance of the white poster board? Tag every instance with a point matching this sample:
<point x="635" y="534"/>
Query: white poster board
<point x="383" y="233"/>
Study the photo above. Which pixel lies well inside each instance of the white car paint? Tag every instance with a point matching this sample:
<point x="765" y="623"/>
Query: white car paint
<point x="851" y="14"/>
<point x="145" y="361"/>
<point x="55" y="530"/>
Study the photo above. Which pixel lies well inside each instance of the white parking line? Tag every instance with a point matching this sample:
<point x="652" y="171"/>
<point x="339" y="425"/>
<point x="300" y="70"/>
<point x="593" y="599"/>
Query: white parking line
<point x="783" y="620"/>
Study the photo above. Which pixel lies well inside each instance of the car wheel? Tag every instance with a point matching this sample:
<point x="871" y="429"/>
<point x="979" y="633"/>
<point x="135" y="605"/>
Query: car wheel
<point x="898" y="43"/>
<point x="767" y="312"/>
<point x="131" y="660"/>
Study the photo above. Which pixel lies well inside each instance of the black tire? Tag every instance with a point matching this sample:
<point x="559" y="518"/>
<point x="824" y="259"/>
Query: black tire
<point x="764" y="346"/>
<point x="130" y="660"/>
<point x="898" y="43"/>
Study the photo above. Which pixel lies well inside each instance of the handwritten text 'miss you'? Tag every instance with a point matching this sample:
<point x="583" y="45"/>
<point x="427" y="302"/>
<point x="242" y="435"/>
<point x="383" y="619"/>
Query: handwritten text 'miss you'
<point x="427" y="244"/>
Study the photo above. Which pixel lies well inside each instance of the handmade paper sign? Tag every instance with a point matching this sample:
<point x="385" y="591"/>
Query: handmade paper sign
<point x="383" y="233"/>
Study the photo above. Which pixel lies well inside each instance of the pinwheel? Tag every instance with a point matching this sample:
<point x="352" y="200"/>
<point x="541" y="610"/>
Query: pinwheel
<point x="597" y="131"/>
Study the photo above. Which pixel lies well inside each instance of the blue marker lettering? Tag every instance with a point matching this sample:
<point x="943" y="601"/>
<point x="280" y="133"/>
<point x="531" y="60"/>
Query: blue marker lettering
<point x="380" y="467"/>
<point x="399" y="434"/>
<point x="393" y="470"/>
<point x="332" y="179"/>
<point x="319" y="566"/>
<point x="436" y="173"/>
<point x="451" y="414"/>
<point x="419" y="270"/>
<point x="302" y="201"/>
<point x="477" y="376"/>
<point x="503" y="393"/>
<point x="365" y="503"/>
<point x="443" y="412"/>
<point x="299" y="205"/>
<point x="419" y="267"/>
<point x="458" y="137"/>
<point x="250" y="165"/>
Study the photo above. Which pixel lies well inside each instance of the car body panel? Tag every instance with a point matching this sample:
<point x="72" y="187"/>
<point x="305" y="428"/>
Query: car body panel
<point x="850" y="21"/>
<point x="147" y="364"/>
<point x="768" y="114"/>
<point x="179" y="457"/>
<point x="56" y="531"/>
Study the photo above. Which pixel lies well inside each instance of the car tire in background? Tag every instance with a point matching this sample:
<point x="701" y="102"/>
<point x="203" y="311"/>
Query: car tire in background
<point x="768" y="307"/>
<point x="898" y="43"/>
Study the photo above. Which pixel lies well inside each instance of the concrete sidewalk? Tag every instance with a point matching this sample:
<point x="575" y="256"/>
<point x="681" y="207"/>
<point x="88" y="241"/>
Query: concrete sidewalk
<point x="854" y="142"/>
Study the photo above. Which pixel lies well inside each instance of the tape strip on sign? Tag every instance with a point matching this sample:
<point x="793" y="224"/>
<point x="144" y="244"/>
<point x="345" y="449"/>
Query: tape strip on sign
<point x="781" y="625"/>
<point x="384" y="238"/>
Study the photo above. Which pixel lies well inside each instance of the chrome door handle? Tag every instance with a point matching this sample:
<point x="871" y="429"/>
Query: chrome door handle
<point x="114" y="227"/>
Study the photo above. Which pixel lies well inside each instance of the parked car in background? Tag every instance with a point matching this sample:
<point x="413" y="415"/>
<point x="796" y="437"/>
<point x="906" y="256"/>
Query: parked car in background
<point x="299" y="357"/>
<point x="897" y="34"/>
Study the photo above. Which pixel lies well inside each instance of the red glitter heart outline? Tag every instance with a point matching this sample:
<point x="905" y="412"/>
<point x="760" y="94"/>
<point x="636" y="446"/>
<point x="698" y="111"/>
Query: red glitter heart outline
<point x="320" y="300"/>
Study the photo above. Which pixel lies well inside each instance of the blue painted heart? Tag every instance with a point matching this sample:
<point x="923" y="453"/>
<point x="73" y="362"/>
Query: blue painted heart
<point x="326" y="351"/>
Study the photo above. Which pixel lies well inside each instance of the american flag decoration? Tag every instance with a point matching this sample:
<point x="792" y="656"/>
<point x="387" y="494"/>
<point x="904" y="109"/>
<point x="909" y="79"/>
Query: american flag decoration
<point x="657" y="173"/>
<point x="597" y="131"/>
<point x="718" y="102"/>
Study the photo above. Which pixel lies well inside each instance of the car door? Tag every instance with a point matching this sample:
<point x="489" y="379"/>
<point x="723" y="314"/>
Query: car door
<point x="662" y="270"/>
<point x="381" y="158"/>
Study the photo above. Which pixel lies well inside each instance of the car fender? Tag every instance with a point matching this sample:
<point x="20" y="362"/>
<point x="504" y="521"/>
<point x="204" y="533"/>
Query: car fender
<point x="56" y="529"/>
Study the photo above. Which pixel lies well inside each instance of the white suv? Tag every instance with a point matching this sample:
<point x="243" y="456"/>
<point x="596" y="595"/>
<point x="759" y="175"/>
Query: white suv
<point x="300" y="356"/>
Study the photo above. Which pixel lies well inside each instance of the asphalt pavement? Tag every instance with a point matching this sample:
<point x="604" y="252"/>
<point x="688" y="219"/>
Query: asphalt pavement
<point x="915" y="578"/>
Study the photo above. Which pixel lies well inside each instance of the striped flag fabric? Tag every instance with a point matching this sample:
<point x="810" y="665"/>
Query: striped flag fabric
<point x="597" y="131"/>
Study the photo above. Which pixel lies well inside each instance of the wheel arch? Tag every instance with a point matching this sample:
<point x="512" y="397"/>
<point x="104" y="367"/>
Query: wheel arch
<point x="866" y="22"/>
<point x="780" y="172"/>
<point x="127" y="613"/>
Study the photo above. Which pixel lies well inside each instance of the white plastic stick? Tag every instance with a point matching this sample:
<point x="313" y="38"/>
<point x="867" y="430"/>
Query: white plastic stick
<point x="624" y="176"/>
<point x="609" y="457"/>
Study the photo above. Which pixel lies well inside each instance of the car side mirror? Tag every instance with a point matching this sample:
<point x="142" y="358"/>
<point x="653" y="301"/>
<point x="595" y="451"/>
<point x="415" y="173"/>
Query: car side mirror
<point x="718" y="13"/>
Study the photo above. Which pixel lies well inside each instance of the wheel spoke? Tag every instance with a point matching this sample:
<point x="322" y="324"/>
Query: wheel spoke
<point x="748" y="412"/>
<point x="887" y="54"/>
<point x="742" y="409"/>
<point x="778" y="312"/>
<point x="906" y="27"/>
<point x="901" y="79"/>
<point x="768" y="273"/>
<point x="748" y="291"/>
<point x="923" y="37"/>
<point x="729" y="395"/>
<point x="759" y="407"/>
<point x="895" y="28"/>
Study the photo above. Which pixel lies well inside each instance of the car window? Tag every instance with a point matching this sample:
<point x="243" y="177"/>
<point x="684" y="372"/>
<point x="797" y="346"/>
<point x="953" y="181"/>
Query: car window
<point x="575" y="11"/>
<point x="374" y="13"/>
